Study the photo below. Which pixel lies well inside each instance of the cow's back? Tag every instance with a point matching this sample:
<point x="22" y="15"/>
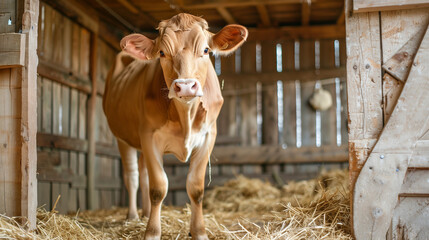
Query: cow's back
<point x="130" y="84"/>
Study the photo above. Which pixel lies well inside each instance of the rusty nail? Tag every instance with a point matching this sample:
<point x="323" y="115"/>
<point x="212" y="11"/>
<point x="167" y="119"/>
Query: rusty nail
<point x="414" y="64"/>
<point x="367" y="66"/>
<point x="354" y="67"/>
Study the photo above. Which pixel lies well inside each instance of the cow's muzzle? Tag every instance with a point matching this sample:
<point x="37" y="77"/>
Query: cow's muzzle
<point x="185" y="88"/>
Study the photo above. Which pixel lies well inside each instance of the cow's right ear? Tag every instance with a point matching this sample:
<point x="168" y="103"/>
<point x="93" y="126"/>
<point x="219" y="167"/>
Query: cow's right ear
<point x="138" y="46"/>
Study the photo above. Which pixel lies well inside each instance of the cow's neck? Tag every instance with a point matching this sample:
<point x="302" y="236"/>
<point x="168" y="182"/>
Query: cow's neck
<point x="191" y="116"/>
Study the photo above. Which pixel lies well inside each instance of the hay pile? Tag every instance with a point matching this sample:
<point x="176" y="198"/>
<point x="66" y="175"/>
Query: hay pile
<point x="241" y="209"/>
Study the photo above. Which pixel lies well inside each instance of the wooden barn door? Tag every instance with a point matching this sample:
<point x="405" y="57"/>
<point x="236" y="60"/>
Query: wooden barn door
<point x="388" y="86"/>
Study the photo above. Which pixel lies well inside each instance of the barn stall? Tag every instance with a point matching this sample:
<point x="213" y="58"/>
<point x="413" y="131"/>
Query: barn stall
<point x="267" y="128"/>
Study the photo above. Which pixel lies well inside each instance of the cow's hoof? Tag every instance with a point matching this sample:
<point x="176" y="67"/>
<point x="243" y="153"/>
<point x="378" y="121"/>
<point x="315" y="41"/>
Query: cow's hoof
<point x="132" y="216"/>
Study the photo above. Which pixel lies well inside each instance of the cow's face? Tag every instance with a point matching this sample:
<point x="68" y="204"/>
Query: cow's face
<point x="183" y="47"/>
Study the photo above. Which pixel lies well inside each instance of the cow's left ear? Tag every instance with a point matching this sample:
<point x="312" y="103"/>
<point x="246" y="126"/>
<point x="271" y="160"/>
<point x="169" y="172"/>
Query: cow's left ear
<point x="227" y="40"/>
<point x="138" y="46"/>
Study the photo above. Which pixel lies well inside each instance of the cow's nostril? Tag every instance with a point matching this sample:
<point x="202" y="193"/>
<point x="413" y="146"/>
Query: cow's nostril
<point x="194" y="86"/>
<point x="177" y="87"/>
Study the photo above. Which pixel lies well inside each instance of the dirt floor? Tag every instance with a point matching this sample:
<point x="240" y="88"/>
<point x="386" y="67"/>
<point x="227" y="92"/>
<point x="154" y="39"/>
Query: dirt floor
<point x="241" y="209"/>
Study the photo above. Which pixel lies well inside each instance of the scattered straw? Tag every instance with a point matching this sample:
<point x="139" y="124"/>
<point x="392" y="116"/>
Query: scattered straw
<point x="241" y="209"/>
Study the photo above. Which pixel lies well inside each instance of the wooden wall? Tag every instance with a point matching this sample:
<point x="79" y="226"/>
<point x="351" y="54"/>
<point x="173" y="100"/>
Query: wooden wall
<point x="64" y="88"/>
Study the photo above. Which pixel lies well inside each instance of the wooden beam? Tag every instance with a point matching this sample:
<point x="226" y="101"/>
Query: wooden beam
<point x="234" y="3"/>
<point x="129" y="6"/>
<point x="342" y="18"/>
<point x="305" y="12"/>
<point x="302" y="32"/>
<point x="387" y="5"/>
<point x="263" y="13"/>
<point x="136" y="10"/>
<point x="30" y="19"/>
<point x="226" y="15"/>
<point x="61" y="142"/>
<point x="237" y="155"/>
<point x="12" y="50"/>
<point x="303" y="75"/>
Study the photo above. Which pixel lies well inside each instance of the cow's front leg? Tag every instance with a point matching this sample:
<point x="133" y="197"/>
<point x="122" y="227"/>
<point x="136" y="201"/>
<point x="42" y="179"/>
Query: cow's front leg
<point x="144" y="186"/>
<point x="131" y="176"/>
<point x="195" y="189"/>
<point x="158" y="185"/>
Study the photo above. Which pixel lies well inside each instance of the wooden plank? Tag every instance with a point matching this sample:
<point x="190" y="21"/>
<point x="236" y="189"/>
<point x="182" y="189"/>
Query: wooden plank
<point x="263" y="14"/>
<point x="82" y="115"/>
<point x="386" y="167"/>
<point x="365" y="115"/>
<point x="226" y="15"/>
<point x="63" y="76"/>
<point x="28" y="112"/>
<point x="409" y="219"/>
<point x="47" y="33"/>
<point x="47" y="106"/>
<point x="289" y="112"/>
<point x="415" y="183"/>
<point x="67" y="43"/>
<point x="308" y="116"/>
<point x="84" y="61"/>
<point x="237" y="155"/>
<point x="91" y="118"/>
<point x="57" y="34"/>
<point x="307" y="75"/>
<point x="74" y="116"/>
<point x="10" y="112"/>
<point x="44" y="195"/>
<point x="302" y="32"/>
<point x="402" y="33"/>
<point x="65" y="110"/>
<point x="328" y="120"/>
<point x="305" y="12"/>
<point x="39" y="103"/>
<point x="56" y="107"/>
<point x="12" y="50"/>
<point x="61" y="142"/>
<point x="75" y="48"/>
<point x="82" y="202"/>
<point x="8" y="11"/>
<point x="387" y="5"/>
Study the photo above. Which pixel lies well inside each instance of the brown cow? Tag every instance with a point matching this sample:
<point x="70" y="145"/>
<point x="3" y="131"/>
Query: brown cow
<point x="163" y="96"/>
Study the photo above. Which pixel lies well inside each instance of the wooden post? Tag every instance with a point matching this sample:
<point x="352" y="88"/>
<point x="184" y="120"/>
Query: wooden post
<point x="90" y="164"/>
<point x="29" y="113"/>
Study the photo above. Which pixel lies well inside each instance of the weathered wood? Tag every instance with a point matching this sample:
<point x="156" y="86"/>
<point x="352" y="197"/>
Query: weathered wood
<point x="289" y="114"/>
<point x="61" y="142"/>
<point x="90" y="164"/>
<point x="365" y="116"/>
<point x="12" y="50"/>
<point x="410" y="219"/>
<point x="263" y="14"/>
<point x="303" y="32"/>
<point x="391" y="91"/>
<point x="387" y="5"/>
<point x="226" y="15"/>
<point x="415" y="183"/>
<point x="272" y="77"/>
<point x="386" y="166"/>
<point x="305" y="12"/>
<point x="28" y="201"/>
<point x="399" y="64"/>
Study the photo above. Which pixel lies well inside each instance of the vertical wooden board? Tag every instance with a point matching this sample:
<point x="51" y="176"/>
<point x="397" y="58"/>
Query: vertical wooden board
<point x="288" y="56"/>
<point x="328" y="119"/>
<point x="84" y="52"/>
<point x="82" y="115"/>
<point x="344" y="112"/>
<point x="75" y="48"/>
<point x="39" y="103"/>
<point x="365" y="115"/>
<point x="63" y="206"/>
<point x="74" y="114"/>
<point x="306" y="55"/>
<point x="56" y="109"/>
<point x="82" y="192"/>
<point x="10" y="143"/>
<point x="248" y="110"/>
<point x="44" y="195"/>
<point x="270" y="133"/>
<point x="41" y="29"/>
<point x="397" y="27"/>
<point x="289" y="114"/>
<point x="65" y="110"/>
<point x="308" y="115"/>
<point x="343" y="52"/>
<point x="410" y="219"/>
<point x="55" y="192"/>
<point x="181" y="198"/>
<point x="46" y="106"/>
<point x="105" y="199"/>
<point x="47" y="33"/>
<point x="228" y="64"/>
<point x="58" y="34"/>
<point x="67" y="43"/>
<point x="327" y="53"/>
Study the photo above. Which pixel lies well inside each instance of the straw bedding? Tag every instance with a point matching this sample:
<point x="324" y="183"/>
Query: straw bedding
<point x="241" y="209"/>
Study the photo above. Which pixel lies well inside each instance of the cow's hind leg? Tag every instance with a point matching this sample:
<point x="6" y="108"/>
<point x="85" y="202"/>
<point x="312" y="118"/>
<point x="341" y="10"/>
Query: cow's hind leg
<point x="144" y="186"/>
<point x="158" y="185"/>
<point x="131" y="176"/>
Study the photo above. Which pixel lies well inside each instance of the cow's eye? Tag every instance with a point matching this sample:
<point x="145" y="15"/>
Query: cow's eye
<point x="206" y="51"/>
<point x="161" y="54"/>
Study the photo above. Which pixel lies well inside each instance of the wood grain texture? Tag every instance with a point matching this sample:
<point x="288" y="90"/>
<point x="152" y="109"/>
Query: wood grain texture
<point x="410" y="219"/>
<point x="385" y="5"/>
<point x="12" y="50"/>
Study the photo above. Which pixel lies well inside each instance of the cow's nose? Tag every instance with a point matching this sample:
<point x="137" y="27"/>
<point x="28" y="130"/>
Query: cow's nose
<point x="186" y="88"/>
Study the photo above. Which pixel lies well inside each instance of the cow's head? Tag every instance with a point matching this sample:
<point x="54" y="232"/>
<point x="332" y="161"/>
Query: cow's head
<point x="183" y="46"/>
